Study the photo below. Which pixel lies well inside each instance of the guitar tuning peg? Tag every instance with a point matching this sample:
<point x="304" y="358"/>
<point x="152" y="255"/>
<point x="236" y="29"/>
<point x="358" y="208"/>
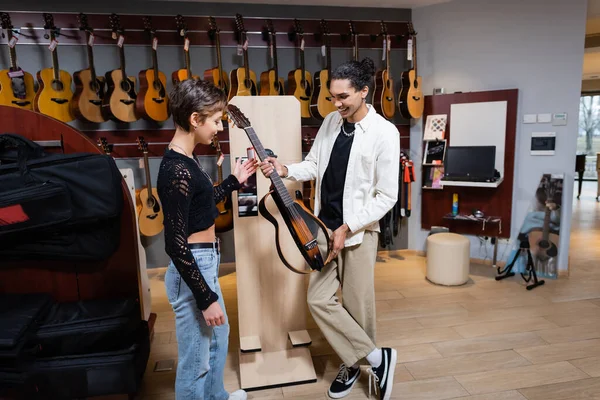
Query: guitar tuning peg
<point x="46" y="36"/>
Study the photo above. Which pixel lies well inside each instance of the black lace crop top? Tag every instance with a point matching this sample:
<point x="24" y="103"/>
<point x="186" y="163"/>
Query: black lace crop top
<point x="189" y="199"/>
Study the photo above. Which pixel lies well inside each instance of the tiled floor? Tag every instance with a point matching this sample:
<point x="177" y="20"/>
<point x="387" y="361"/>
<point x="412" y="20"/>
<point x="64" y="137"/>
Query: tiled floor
<point x="486" y="340"/>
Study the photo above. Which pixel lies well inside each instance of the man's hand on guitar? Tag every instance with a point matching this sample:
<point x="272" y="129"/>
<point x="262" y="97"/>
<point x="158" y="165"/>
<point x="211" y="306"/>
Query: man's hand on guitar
<point x="271" y="164"/>
<point x="244" y="171"/>
<point x="337" y="239"/>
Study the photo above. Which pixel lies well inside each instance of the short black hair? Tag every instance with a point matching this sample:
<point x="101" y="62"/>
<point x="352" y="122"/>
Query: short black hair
<point x="359" y="73"/>
<point x="195" y="95"/>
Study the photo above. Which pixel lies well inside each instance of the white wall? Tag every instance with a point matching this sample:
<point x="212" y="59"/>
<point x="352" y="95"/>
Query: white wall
<point x="535" y="46"/>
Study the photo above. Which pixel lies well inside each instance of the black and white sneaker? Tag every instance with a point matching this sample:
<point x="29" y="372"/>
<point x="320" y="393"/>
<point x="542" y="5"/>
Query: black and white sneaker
<point x="344" y="382"/>
<point x="383" y="376"/>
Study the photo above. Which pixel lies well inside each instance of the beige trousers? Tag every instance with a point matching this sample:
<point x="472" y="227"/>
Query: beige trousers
<point x="349" y="327"/>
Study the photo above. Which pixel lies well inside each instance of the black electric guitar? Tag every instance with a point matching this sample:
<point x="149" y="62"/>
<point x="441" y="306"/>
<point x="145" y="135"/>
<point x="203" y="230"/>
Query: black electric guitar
<point x="301" y="223"/>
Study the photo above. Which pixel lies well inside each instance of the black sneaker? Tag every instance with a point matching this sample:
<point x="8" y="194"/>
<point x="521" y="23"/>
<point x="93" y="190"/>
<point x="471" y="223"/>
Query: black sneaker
<point x="384" y="374"/>
<point x="344" y="382"/>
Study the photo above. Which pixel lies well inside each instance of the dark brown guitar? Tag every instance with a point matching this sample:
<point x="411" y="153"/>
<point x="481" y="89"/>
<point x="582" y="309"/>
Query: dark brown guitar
<point x="224" y="221"/>
<point x="301" y="223"/>
<point x="411" y="102"/>
<point x="383" y="98"/>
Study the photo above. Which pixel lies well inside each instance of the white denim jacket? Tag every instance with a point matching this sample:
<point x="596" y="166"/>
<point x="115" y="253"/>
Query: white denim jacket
<point x="371" y="187"/>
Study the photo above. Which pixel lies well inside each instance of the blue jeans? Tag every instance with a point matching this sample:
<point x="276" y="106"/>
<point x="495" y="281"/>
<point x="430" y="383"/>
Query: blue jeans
<point x="202" y="349"/>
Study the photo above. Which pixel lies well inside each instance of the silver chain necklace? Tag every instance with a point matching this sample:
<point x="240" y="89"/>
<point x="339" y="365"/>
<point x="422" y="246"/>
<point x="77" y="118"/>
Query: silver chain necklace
<point x="348" y="134"/>
<point x="195" y="159"/>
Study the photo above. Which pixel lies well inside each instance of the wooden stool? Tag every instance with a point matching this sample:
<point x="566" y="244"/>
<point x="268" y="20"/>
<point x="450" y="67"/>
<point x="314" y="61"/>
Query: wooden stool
<point x="448" y="259"/>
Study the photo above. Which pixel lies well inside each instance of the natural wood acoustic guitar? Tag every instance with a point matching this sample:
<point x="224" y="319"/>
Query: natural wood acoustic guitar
<point x="411" y="102"/>
<point x="320" y="103"/>
<point x="54" y="93"/>
<point x="243" y="79"/>
<point x="152" y="102"/>
<point x="224" y="221"/>
<point x="299" y="79"/>
<point x="16" y="86"/>
<point x="119" y="101"/>
<point x="384" y="100"/>
<point x="89" y="88"/>
<point x="270" y="82"/>
<point x="184" y="73"/>
<point x="151" y="215"/>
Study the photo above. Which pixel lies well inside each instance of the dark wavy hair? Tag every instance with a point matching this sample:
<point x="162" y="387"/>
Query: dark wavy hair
<point x="193" y="95"/>
<point x="359" y="73"/>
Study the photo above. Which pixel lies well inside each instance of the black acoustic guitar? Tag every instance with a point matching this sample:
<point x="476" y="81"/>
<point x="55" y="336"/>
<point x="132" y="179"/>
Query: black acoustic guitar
<point x="302" y="224"/>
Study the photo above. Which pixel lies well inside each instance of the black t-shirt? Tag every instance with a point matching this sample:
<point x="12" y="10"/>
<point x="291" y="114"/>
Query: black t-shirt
<point x="332" y="187"/>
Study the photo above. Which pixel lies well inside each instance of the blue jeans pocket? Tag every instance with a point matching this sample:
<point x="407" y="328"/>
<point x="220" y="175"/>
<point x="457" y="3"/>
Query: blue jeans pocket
<point x="172" y="283"/>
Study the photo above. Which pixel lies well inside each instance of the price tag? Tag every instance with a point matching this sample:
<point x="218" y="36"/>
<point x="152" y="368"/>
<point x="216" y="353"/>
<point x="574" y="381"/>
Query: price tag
<point x="302" y="44"/>
<point x="271" y="49"/>
<point x="186" y="44"/>
<point x="384" y="48"/>
<point x="154" y="43"/>
<point x="53" y="44"/>
<point x="16" y="74"/>
<point x="389" y="43"/>
<point x="220" y="160"/>
<point x="323" y="50"/>
<point x="409" y="50"/>
<point x="91" y="40"/>
<point x="121" y="41"/>
<point x="239" y="50"/>
<point x="13" y="41"/>
<point x="246" y="44"/>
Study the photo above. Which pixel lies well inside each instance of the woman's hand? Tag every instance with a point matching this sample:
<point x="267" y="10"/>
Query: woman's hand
<point x="336" y="241"/>
<point x="271" y="164"/>
<point x="213" y="315"/>
<point x="244" y="171"/>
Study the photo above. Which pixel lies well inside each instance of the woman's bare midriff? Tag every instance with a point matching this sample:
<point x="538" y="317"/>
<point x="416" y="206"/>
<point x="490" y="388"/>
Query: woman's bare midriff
<point x="205" y="236"/>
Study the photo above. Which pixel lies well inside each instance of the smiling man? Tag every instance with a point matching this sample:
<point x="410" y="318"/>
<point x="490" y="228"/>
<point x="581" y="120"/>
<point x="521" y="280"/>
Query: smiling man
<point x="355" y="164"/>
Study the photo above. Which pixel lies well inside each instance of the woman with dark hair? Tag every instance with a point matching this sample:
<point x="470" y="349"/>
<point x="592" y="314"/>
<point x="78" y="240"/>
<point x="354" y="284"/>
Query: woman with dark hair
<point x="189" y="202"/>
<point x="355" y="164"/>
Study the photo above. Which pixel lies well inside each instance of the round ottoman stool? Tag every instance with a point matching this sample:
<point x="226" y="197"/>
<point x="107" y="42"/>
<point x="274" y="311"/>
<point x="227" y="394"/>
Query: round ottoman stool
<point x="448" y="259"/>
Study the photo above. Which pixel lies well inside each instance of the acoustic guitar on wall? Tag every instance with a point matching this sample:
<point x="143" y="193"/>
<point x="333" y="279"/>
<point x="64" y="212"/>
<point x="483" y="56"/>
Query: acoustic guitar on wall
<point x="16" y="86"/>
<point x="243" y="80"/>
<point x="320" y="103"/>
<point x="54" y="93"/>
<point x="224" y="221"/>
<point x="270" y="82"/>
<point x="411" y="102"/>
<point x="151" y="215"/>
<point x="217" y="76"/>
<point x="384" y="100"/>
<point x="89" y="88"/>
<point x="152" y="102"/>
<point x="299" y="79"/>
<point x="184" y="73"/>
<point x="119" y="100"/>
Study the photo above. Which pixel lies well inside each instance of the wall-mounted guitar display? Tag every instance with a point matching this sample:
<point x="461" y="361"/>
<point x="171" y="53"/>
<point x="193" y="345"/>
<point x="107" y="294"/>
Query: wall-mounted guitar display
<point x="54" y="93"/>
<point x="152" y="101"/>
<point x="16" y="85"/>
<point x="89" y="88"/>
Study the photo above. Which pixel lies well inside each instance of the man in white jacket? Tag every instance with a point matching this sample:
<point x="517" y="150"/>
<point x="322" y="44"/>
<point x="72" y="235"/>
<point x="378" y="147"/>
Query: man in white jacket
<point x="355" y="164"/>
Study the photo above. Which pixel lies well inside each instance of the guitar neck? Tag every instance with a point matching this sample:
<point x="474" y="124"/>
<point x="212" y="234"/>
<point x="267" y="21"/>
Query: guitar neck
<point x="12" y="52"/>
<point x="55" y="67"/>
<point x="188" y="66"/>
<point x="219" y="60"/>
<point x="155" y="64"/>
<point x="355" y="55"/>
<point x="246" y="66"/>
<point x="220" y="172"/>
<point x="414" y="54"/>
<point x="122" y="62"/>
<point x="276" y="179"/>
<point x="302" y="65"/>
<point x="274" y="44"/>
<point x="90" y="54"/>
<point x="147" y="171"/>
<point x="387" y="55"/>
<point x="328" y="53"/>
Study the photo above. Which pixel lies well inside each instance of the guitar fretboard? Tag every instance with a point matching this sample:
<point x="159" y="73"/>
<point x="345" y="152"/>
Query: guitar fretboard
<point x="275" y="178"/>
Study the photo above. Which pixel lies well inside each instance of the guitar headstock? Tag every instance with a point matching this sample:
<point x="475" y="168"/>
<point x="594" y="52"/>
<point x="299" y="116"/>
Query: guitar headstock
<point x="237" y="117"/>
<point x="352" y="28"/>
<point x="216" y="144"/>
<point x="181" y="25"/>
<point x="6" y="22"/>
<point x="324" y="28"/>
<point x="115" y="25"/>
<point x="384" y="30"/>
<point x="49" y="25"/>
<point x="148" y="26"/>
<point x="142" y="145"/>
<point x="239" y="24"/>
<point x="103" y="144"/>
<point x="83" y="23"/>
<point x="411" y="30"/>
<point x="298" y="29"/>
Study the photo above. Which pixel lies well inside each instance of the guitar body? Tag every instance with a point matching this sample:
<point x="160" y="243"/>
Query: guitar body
<point x="151" y="102"/>
<point x="87" y="101"/>
<point x="181" y="75"/>
<point x="224" y="221"/>
<point x="296" y="218"/>
<point x="303" y="92"/>
<point x="212" y="75"/>
<point x="269" y="86"/>
<point x="151" y="216"/>
<point x="383" y="98"/>
<point x="240" y="86"/>
<point x="411" y="101"/>
<point x="7" y="97"/>
<point x="119" y="101"/>
<point x="53" y="97"/>
<point x="320" y="103"/>
<point x="543" y="249"/>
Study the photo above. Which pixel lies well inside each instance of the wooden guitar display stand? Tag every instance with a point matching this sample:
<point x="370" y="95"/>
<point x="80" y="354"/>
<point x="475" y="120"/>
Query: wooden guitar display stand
<point x="271" y="299"/>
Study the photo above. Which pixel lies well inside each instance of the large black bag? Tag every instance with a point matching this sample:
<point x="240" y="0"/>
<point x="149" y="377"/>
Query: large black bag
<point x="57" y="206"/>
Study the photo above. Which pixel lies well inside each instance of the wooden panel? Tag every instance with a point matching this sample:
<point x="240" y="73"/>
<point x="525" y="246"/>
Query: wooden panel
<point x="31" y="26"/>
<point x="68" y="281"/>
<point x="494" y="202"/>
